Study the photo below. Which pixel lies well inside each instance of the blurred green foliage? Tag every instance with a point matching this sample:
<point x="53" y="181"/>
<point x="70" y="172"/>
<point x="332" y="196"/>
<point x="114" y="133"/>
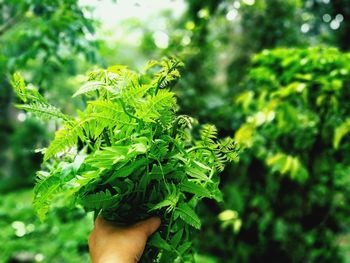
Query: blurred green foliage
<point x="33" y="34"/>
<point x="291" y="188"/>
<point x="62" y="238"/>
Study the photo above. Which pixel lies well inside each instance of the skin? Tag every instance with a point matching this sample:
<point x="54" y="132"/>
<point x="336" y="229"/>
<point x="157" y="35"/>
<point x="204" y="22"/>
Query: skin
<point x="111" y="243"/>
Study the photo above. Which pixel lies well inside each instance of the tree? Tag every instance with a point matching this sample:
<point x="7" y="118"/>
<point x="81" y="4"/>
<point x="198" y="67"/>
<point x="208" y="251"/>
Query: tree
<point x="37" y="37"/>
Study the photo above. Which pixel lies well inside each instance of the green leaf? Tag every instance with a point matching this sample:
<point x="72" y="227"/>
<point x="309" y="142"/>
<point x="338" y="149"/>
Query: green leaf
<point x="154" y="107"/>
<point x="108" y="156"/>
<point x="89" y="87"/>
<point x="128" y="169"/>
<point x="197" y="173"/>
<point x="340" y="132"/>
<point x="44" y="191"/>
<point x="100" y="200"/>
<point x="208" y="134"/>
<point x="64" y="139"/>
<point x="187" y="214"/>
<point x="194" y="188"/>
<point x="18" y="85"/>
<point x="158" y="242"/>
<point x="170" y="201"/>
<point x="176" y="238"/>
<point x="184" y="247"/>
<point x="44" y="111"/>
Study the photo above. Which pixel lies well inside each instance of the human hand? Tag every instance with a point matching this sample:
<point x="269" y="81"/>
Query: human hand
<point x="110" y="243"/>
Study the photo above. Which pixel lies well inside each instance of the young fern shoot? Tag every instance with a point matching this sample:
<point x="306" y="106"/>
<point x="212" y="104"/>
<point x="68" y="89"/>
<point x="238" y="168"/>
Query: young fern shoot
<point x="129" y="155"/>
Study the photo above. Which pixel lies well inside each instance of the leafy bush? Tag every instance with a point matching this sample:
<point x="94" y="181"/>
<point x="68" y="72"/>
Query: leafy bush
<point x="128" y="155"/>
<point x="61" y="238"/>
<point x="24" y="161"/>
<point x="291" y="188"/>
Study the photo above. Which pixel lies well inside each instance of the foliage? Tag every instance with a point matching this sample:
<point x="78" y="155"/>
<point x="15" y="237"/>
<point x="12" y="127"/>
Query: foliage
<point x="42" y="29"/>
<point x="32" y="34"/>
<point x="128" y="154"/>
<point x="61" y="238"/>
<point x="293" y="188"/>
<point x="25" y="161"/>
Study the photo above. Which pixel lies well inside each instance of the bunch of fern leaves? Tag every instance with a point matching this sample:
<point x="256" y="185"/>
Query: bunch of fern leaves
<point x="128" y="155"/>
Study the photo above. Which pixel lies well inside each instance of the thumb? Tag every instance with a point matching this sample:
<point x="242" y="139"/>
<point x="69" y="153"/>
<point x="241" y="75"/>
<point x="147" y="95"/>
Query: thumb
<point x="148" y="226"/>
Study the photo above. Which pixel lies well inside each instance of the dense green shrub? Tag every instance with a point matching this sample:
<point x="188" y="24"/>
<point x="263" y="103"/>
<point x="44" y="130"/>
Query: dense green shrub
<point x="292" y="193"/>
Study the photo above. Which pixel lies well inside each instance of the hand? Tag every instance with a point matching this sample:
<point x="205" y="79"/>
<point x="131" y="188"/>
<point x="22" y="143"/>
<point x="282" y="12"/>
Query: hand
<point x="110" y="243"/>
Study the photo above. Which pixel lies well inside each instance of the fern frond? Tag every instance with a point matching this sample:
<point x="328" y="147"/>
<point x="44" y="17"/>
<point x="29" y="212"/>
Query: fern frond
<point x="134" y="92"/>
<point x="208" y="134"/>
<point x="107" y="107"/>
<point x="154" y="107"/>
<point x="168" y="74"/>
<point x="124" y="82"/>
<point x="28" y="93"/>
<point x="185" y="121"/>
<point x="18" y="84"/>
<point x="100" y="200"/>
<point x="64" y="139"/>
<point x="170" y="201"/>
<point x="44" y="111"/>
<point x="104" y="114"/>
<point x="44" y="191"/>
<point x="194" y="188"/>
<point x="188" y="215"/>
<point x="229" y="148"/>
<point x="220" y="161"/>
<point x="89" y="87"/>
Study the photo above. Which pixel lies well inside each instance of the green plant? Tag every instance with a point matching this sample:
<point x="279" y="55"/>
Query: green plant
<point x="26" y="239"/>
<point x="35" y="33"/>
<point x="291" y="187"/>
<point x="128" y="155"/>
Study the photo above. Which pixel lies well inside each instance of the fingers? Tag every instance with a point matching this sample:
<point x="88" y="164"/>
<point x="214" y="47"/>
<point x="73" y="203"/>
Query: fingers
<point x="99" y="220"/>
<point x="148" y="226"/>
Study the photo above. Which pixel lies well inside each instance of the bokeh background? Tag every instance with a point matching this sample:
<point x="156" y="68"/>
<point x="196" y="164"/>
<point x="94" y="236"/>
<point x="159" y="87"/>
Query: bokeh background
<point x="275" y="74"/>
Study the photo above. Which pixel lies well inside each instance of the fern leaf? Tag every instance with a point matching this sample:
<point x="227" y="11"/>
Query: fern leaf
<point x="44" y="191"/>
<point x="194" y="188"/>
<point x="168" y="73"/>
<point x="25" y="93"/>
<point x="170" y="201"/>
<point x="89" y="87"/>
<point x="133" y="94"/>
<point x="100" y="200"/>
<point x="128" y="169"/>
<point x="208" y="134"/>
<point x="188" y="215"/>
<point x="18" y="84"/>
<point x="108" y="156"/>
<point x="44" y="111"/>
<point x="151" y="109"/>
<point x="197" y="173"/>
<point x="64" y="138"/>
<point x="157" y="241"/>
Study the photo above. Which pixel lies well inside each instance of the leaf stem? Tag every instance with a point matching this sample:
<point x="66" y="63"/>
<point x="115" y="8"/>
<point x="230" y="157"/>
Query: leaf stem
<point x="105" y="136"/>
<point x="199" y="148"/>
<point x="127" y="113"/>
<point x="163" y="77"/>
<point x="170" y="223"/>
